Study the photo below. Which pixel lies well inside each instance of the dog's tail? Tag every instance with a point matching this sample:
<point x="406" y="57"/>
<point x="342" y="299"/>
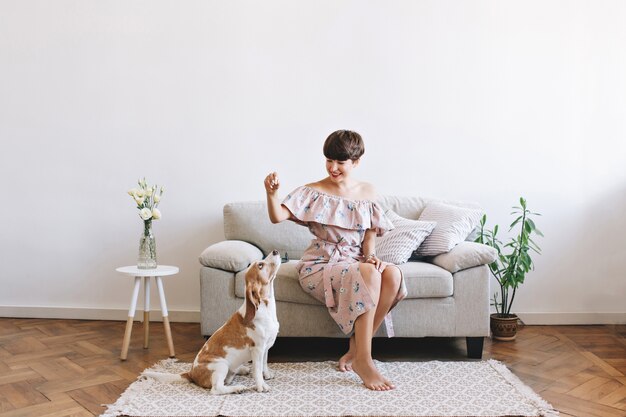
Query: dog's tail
<point x="167" y="378"/>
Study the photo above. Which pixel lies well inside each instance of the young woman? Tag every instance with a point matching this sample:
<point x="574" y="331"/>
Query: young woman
<point x="340" y="267"/>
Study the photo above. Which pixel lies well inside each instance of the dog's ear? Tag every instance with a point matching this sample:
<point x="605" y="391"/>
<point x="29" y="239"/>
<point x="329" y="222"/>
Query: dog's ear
<point x="252" y="304"/>
<point x="253" y="293"/>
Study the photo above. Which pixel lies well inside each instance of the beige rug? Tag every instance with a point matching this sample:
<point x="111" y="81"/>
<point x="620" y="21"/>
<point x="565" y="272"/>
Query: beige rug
<point x="317" y="389"/>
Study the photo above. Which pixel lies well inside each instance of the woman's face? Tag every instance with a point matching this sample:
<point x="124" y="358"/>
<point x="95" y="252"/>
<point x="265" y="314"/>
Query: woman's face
<point x="338" y="171"/>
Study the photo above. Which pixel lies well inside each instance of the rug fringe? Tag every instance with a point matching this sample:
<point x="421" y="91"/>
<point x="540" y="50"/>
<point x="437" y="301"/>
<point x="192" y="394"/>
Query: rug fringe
<point x="120" y="407"/>
<point x="545" y="408"/>
<point x="162" y="365"/>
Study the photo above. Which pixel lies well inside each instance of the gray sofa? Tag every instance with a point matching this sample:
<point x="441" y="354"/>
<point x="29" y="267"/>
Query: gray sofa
<point x="448" y="295"/>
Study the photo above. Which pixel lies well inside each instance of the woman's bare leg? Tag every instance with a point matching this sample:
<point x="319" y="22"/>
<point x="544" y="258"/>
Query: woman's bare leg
<point x="345" y="362"/>
<point x="363" y="364"/>
<point x="390" y="284"/>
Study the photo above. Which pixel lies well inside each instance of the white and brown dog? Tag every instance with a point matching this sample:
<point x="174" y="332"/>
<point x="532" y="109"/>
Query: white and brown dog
<point x="247" y="335"/>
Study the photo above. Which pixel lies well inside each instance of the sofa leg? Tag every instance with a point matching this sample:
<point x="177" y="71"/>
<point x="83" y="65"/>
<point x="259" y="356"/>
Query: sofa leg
<point x="474" y="347"/>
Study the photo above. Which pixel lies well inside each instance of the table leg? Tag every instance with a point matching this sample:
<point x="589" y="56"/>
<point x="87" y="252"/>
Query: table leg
<point x="166" y="320"/>
<point x="146" y="312"/>
<point x="131" y="316"/>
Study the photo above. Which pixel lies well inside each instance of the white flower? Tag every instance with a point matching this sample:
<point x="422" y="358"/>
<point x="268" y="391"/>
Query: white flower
<point x="147" y="198"/>
<point x="145" y="213"/>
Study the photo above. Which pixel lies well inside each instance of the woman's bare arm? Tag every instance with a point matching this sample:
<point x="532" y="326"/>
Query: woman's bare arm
<point x="277" y="212"/>
<point x="369" y="245"/>
<point x="369" y="249"/>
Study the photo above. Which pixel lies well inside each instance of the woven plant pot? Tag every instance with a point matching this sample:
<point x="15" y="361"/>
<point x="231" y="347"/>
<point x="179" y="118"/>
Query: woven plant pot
<point x="504" y="328"/>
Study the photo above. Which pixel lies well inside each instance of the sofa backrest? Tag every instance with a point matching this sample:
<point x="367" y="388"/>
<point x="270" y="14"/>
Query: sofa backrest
<point x="249" y="221"/>
<point x="412" y="207"/>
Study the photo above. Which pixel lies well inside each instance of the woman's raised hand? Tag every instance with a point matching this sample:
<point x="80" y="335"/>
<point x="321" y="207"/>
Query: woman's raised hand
<point x="276" y="211"/>
<point x="271" y="183"/>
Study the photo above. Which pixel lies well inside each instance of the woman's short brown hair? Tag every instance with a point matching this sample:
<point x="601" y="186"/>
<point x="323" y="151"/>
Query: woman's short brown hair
<point x="342" y="145"/>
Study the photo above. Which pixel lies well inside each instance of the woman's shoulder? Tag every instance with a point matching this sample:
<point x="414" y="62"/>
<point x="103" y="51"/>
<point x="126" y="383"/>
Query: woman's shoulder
<point x="317" y="185"/>
<point x="367" y="191"/>
<point x="360" y="192"/>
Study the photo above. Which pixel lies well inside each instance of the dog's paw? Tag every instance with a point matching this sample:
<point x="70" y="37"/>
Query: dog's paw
<point x="262" y="387"/>
<point x="268" y="374"/>
<point x="233" y="389"/>
<point x="238" y="389"/>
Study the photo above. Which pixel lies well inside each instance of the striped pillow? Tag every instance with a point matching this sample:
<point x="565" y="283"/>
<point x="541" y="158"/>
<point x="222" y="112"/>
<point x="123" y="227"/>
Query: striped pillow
<point x="454" y="224"/>
<point x="397" y="245"/>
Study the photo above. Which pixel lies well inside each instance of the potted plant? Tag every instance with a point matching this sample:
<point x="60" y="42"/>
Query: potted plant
<point x="510" y="269"/>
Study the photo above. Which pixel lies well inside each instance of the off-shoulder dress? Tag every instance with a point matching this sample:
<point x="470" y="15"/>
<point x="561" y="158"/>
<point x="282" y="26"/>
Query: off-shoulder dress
<point x="329" y="268"/>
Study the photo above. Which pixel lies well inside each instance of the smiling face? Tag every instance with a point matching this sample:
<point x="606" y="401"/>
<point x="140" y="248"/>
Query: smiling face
<point x="343" y="150"/>
<point x="339" y="171"/>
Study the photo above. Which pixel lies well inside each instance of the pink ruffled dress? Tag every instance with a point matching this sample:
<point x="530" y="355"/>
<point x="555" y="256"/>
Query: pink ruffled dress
<point x="329" y="268"/>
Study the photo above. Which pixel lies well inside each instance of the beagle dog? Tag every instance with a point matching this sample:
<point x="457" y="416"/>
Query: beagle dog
<point x="247" y="335"/>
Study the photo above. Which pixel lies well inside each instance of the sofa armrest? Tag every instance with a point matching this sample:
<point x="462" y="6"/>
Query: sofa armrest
<point x="465" y="255"/>
<point x="230" y="255"/>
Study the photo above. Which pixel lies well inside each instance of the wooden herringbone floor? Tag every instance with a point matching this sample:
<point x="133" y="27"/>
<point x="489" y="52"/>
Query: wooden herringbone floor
<point x="72" y="367"/>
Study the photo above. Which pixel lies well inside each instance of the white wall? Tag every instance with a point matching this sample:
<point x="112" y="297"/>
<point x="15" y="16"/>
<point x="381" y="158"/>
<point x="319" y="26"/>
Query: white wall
<point x="474" y="100"/>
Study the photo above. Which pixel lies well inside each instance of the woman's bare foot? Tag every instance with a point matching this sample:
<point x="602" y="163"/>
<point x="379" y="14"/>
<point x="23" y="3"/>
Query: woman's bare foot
<point x="345" y="362"/>
<point x="370" y="376"/>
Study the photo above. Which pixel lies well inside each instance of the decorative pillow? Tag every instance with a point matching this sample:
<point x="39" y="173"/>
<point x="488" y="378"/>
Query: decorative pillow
<point x="454" y="224"/>
<point x="466" y="255"/>
<point x="397" y="245"/>
<point x="230" y="255"/>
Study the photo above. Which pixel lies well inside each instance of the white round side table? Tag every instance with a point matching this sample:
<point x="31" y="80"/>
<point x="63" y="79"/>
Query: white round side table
<point x="157" y="273"/>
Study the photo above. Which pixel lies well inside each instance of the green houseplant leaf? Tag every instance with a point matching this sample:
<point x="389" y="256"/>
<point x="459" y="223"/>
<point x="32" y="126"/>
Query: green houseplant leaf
<point x="510" y="268"/>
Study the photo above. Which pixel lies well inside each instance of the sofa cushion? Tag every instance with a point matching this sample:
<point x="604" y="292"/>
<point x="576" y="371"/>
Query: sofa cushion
<point x="454" y="225"/>
<point x="423" y="280"/>
<point x="397" y="245"/>
<point x="466" y="255"/>
<point x="286" y="286"/>
<point x="230" y="255"/>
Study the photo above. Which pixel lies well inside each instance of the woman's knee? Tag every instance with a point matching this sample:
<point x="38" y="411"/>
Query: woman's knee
<point x="371" y="275"/>
<point x="391" y="276"/>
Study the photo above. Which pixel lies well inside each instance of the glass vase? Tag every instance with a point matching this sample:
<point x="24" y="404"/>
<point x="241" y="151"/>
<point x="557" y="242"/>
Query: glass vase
<point x="147" y="248"/>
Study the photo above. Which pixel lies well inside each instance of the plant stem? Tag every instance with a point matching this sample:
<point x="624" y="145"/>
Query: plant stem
<point x="512" y="298"/>
<point x="518" y="253"/>
<point x="502" y="299"/>
<point x="499" y="283"/>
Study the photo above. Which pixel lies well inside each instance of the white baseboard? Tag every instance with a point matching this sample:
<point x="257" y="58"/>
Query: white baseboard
<point x="194" y="316"/>
<point x="94" y="314"/>
<point x="572" y="318"/>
